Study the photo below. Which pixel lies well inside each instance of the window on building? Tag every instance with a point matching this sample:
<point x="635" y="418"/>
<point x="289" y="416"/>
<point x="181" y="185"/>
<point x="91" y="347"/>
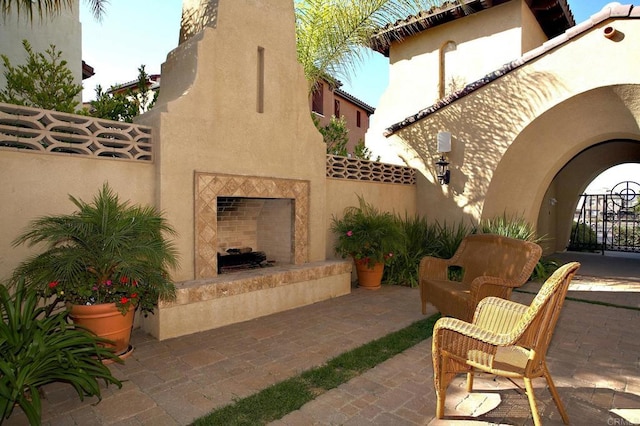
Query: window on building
<point x="358" y="122"/>
<point x="317" y="99"/>
<point x="336" y="108"/>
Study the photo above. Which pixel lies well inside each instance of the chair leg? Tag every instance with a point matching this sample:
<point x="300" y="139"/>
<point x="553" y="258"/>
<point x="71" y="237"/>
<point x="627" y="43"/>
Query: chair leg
<point x="556" y="397"/>
<point x="470" y="381"/>
<point x="532" y="401"/>
<point x="440" y="397"/>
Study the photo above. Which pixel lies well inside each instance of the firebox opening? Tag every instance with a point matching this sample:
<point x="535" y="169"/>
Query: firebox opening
<point x="254" y="233"/>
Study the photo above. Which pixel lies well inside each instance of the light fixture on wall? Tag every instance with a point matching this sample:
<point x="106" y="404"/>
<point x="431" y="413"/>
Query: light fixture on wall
<point x="444" y="146"/>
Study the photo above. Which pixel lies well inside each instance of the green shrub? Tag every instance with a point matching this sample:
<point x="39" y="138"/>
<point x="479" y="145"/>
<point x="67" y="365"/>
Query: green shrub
<point x="38" y="348"/>
<point x="513" y="227"/>
<point x="420" y="240"/>
<point x="544" y="269"/>
<point x="450" y="237"/>
<point x="44" y="81"/>
<point x="583" y="238"/>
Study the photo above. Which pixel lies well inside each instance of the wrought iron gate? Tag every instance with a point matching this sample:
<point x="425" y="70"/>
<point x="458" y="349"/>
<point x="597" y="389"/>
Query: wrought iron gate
<point x="608" y="221"/>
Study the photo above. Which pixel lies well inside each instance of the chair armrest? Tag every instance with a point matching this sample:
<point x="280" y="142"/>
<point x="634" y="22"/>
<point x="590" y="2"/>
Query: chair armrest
<point x="495" y="281"/>
<point x="486" y="286"/>
<point x="446" y="325"/>
<point x="434" y="268"/>
<point x="498" y="315"/>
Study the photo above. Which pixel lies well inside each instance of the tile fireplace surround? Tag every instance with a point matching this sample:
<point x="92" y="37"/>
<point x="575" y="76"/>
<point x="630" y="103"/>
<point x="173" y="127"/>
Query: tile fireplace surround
<point x="210" y="186"/>
<point x="211" y="300"/>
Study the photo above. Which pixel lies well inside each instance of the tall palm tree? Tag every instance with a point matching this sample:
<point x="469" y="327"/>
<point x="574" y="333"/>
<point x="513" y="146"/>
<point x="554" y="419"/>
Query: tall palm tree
<point x="333" y="35"/>
<point x="48" y="7"/>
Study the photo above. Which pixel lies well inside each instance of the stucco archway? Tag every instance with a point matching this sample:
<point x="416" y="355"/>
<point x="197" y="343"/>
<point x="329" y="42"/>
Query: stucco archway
<point x="557" y="155"/>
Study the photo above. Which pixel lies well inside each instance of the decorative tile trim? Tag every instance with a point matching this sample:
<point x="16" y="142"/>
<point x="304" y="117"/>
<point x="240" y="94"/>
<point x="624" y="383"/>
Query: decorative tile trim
<point x="26" y="129"/>
<point x="209" y="186"/>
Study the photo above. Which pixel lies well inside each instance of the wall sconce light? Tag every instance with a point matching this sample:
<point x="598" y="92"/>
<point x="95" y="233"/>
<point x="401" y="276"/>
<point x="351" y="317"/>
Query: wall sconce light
<point x="444" y="146"/>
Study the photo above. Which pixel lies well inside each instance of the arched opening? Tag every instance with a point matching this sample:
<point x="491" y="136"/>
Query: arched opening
<point x="607" y="215"/>
<point x="611" y="177"/>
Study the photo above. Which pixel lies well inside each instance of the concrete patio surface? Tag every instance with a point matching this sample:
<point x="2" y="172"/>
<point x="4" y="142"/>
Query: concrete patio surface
<point x="594" y="359"/>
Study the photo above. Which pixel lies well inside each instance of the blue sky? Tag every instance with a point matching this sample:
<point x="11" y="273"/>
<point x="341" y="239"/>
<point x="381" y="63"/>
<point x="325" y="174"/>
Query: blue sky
<point x="139" y="32"/>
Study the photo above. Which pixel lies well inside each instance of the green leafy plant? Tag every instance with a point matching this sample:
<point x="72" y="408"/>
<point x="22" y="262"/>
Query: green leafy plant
<point x="39" y="348"/>
<point x="366" y="233"/>
<point x="513" y="227"/>
<point x="44" y="81"/>
<point x="450" y="237"/>
<point x="361" y="151"/>
<point x="112" y="106"/>
<point x="335" y="135"/>
<point x="583" y="238"/>
<point x="544" y="268"/>
<point x="107" y="251"/>
<point x="420" y="239"/>
<point x="123" y="106"/>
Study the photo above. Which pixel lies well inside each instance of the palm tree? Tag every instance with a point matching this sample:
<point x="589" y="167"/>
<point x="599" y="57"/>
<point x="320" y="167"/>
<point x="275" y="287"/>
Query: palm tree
<point x="333" y="36"/>
<point x="48" y="7"/>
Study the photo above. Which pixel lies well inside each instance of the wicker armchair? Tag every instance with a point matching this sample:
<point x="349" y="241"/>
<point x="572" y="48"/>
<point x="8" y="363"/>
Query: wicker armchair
<point x="505" y="338"/>
<point x="492" y="266"/>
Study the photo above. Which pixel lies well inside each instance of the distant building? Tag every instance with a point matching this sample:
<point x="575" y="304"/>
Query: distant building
<point x="153" y="84"/>
<point x="329" y="100"/>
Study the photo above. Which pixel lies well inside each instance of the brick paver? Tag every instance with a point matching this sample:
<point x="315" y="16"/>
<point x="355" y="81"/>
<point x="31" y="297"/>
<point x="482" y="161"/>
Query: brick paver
<point x="594" y="360"/>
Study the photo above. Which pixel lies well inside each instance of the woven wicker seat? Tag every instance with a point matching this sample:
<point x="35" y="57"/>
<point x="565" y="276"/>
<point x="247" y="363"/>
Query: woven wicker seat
<point x="492" y="266"/>
<point x="505" y="338"/>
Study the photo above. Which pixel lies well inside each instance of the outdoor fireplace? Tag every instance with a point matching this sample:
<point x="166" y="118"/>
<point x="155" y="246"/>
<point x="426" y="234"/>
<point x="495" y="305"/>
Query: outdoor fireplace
<point x="253" y="232"/>
<point x="249" y="214"/>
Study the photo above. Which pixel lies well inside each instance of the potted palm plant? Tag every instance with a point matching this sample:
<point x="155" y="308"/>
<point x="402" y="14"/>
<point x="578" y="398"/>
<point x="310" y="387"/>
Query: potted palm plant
<point x="370" y="237"/>
<point x="108" y="256"/>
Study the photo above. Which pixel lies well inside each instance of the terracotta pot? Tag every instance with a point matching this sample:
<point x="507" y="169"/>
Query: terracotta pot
<point x="106" y="321"/>
<point x="369" y="277"/>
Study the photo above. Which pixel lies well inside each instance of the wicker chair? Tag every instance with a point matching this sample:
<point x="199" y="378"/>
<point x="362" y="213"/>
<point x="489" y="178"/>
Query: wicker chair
<point x="492" y="266"/>
<point x="505" y="338"/>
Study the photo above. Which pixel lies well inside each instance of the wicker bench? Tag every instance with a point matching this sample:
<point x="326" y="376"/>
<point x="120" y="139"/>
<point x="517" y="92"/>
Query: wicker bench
<point x="492" y="265"/>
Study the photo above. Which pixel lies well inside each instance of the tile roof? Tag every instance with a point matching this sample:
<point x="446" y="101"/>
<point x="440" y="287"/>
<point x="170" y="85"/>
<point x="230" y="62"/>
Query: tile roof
<point x="554" y="16"/>
<point x="368" y="108"/>
<point x="612" y="10"/>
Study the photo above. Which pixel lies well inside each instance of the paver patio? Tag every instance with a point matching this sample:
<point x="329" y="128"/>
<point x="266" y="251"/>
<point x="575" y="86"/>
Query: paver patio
<point x="594" y="360"/>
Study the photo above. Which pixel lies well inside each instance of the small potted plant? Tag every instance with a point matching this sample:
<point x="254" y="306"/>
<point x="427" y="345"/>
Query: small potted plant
<point x="370" y="237"/>
<point x="109" y="256"/>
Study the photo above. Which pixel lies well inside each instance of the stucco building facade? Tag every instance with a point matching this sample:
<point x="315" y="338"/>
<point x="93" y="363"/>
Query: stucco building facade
<point x="529" y="133"/>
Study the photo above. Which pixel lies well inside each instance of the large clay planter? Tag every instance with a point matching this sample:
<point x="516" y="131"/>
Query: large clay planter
<point x="106" y="321"/>
<point x="369" y="277"/>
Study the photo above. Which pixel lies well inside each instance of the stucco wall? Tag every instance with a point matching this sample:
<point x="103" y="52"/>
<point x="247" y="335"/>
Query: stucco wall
<point x="485" y="41"/>
<point x="399" y="199"/>
<point x="34" y="185"/>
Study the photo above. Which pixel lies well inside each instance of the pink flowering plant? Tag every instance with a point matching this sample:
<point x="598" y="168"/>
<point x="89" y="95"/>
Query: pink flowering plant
<point x="107" y="251"/>
<point x="366" y="233"/>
